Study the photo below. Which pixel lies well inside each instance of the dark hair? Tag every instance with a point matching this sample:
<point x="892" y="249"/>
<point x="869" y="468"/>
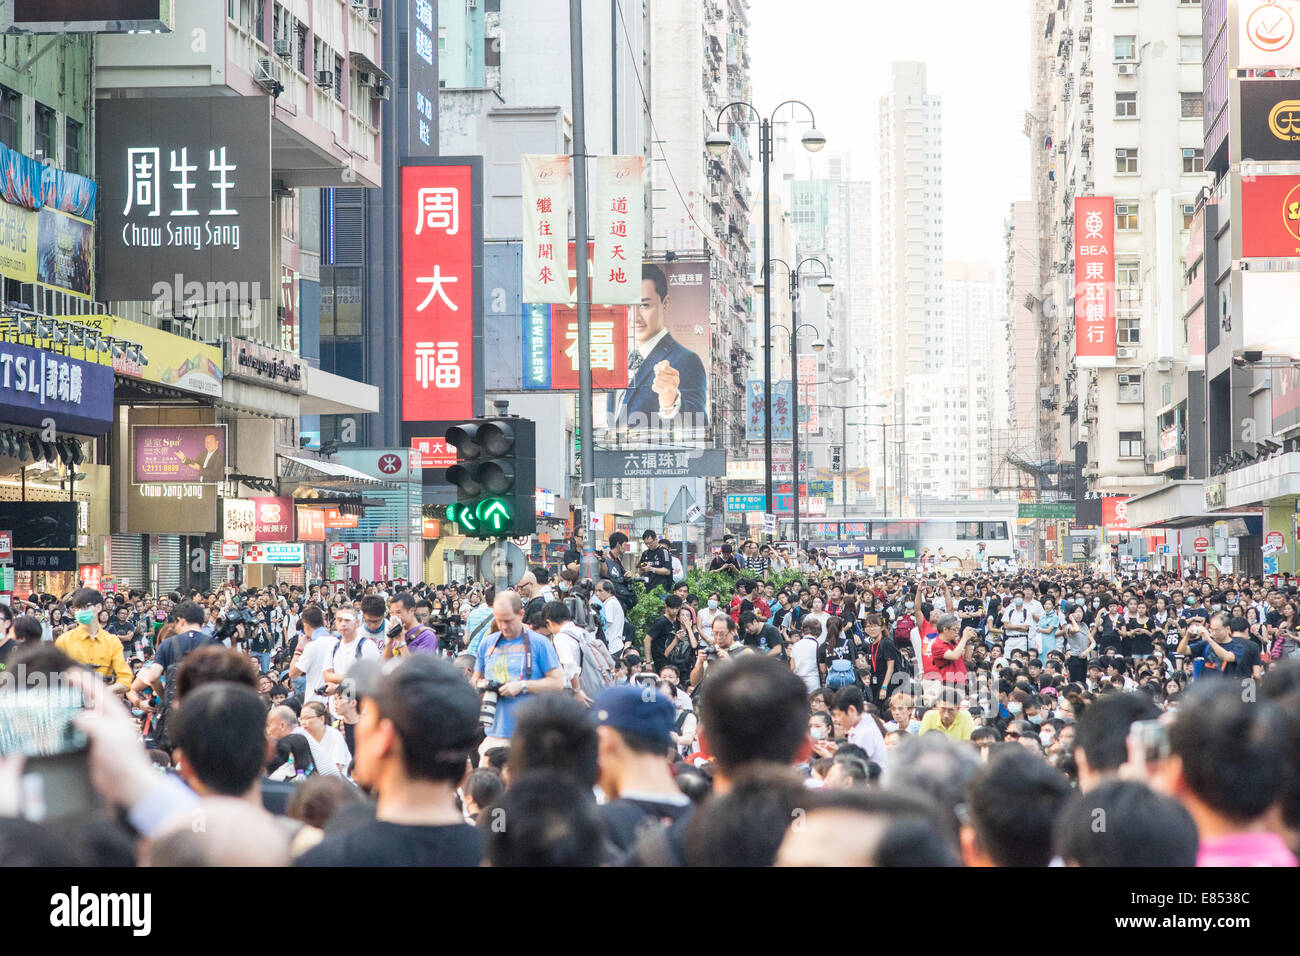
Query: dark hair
<point x="557" y="612"/>
<point x="222" y="732"/>
<point x="1102" y="729"/>
<point x="652" y="273"/>
<point x="1238" y="625"/>
<point x="484" y="786"/>
<point x="647" y="533"/>
<point x="295" y="746"/>
<point x="319" y="797"/>
<point x="28" y="629"/>
<point x="86" y="597"/>
<point x="213" y="664"/>
<point x="404" y="598"/>
<point x="672" y="602"/>
<point x="552" y="822"/>
<point x="554" y="732"/>
<point x="745" y="826"/>
<point x="617" y="538"/>
<point x="1013" y="802"/>
<point x="755" y="710"/>
<point x="1142" y="828"/>
<point x="187" y="611"/>
<point x="372" y="605"/>
<point x="313" y="616"/>
<point x="435" y="713"/>
<point x="847" y="697"/>
<point x="1232" y="752"/>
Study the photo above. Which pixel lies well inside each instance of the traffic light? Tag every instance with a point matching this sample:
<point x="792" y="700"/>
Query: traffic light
<point x="495" y="476"/>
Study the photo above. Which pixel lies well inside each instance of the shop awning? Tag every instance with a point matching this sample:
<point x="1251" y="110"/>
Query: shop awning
<point x="330" y="394"/>
<point x="328" y="473"/>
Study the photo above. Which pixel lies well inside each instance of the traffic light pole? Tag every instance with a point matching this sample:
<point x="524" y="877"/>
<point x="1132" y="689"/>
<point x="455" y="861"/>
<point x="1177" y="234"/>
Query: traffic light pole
<point x="588" y="483"/>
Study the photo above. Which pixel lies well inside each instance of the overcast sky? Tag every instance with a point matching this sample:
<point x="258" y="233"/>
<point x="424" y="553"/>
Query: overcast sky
<point x="835" y="54"/>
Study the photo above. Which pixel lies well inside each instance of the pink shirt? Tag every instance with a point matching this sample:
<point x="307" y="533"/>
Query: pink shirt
<point x="1245" y="849"/>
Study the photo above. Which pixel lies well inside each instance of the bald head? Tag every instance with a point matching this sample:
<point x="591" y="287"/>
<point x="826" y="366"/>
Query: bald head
<point x="221" y="831"/>
<point x="527" y="583"/>
<point x="280" y="722"/>
<point x="508" y="612"/>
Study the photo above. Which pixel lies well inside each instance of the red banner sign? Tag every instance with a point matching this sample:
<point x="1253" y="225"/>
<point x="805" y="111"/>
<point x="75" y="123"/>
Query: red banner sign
<point x="1094" y="281"/>
<point x="1114" y="514"/>
<point x="334" y="520"/>
<point x="437" y="292"/>
<point x="311" y="524"/>
<point x="273" y="519"/>
<point x="434" y="452"/>
<point x="1270" y="217"/>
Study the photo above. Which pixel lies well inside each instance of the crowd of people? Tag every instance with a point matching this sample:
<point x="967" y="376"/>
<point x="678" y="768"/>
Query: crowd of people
<point x="766" y="708"/>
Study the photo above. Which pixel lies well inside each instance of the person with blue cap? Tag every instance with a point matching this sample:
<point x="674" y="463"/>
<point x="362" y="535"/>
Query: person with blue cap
<point x="634" y="723"/>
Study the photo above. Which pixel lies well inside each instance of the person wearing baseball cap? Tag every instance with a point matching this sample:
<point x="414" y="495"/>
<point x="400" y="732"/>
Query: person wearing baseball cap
<point x="633" y="724"/>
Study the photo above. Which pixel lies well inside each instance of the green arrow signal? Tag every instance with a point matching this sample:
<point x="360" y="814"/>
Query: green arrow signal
<point x="451" y="512"/>
<point x="467" y="520"/>
<point x="495" y="512"/>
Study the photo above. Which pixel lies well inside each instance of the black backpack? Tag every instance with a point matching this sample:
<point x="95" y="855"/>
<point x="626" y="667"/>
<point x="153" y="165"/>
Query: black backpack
<point x="162" y="740"/>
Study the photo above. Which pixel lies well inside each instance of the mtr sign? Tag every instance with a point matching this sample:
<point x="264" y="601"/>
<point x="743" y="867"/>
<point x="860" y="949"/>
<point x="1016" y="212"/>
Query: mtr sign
<point x="495" y="477"/>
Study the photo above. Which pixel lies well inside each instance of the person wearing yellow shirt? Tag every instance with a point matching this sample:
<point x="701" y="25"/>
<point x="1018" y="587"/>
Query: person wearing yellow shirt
<point x="91" y="645"/>
<point x="948" y="717"/>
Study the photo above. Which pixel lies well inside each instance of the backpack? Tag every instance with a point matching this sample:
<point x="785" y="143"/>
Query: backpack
<point x="840" y="674"/>
<point x="683" y="656"/>
<point x="580" y="611"/>
<point x="903" y="630"/>
<point x="162" y="740"/>
<point x="595" y="665"/>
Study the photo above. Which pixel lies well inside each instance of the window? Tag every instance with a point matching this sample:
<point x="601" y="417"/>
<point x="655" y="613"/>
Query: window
<point x="44" y="132"/>
<point x="1189" y="213"/>
<point x="1192" y="105"/>
<point x="1193" y="160"/>
<point x="1126" y="105"/>
<point x="1126" y="216"/>
<point x="72" y="146"/>
<point x="1189" y="49"/>
<point x="11" y="110"/>
<point x="1130" y="444"/>
<point x="1128" y="275"/>
<point x="1128" y="332"/>
<point x="338" y="78"/>
<point x="1126" y="162"/>
<point x="442" y="39"/>
<point x="1125" y="48"/>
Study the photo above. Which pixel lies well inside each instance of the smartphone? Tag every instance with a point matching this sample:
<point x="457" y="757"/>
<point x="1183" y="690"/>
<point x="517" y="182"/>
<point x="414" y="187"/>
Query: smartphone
<point x="38" y="723"/>
<point x="1152" y="737"/>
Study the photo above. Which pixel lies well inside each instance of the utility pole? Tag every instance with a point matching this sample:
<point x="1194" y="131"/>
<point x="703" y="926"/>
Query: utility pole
<point x="589" y="564"/>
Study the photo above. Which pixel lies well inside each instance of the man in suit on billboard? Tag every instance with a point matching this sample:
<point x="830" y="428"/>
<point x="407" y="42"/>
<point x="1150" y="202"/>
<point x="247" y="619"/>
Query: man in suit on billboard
<point x="211" y="464"/>
<point x="667" y="386"/>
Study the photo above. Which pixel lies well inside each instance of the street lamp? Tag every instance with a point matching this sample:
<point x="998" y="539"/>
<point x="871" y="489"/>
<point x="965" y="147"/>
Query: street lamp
<point x="826" y="284"/>
<point x="717" y="143"/>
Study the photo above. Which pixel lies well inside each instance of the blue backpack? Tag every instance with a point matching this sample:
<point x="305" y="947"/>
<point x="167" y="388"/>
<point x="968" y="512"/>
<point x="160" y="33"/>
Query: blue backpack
<point x="840" y="674"/>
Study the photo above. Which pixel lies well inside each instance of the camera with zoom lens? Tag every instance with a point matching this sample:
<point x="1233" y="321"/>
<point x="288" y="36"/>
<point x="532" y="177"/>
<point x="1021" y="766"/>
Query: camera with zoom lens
<point x="487" y="712"/>
<point x="395" y="631"/>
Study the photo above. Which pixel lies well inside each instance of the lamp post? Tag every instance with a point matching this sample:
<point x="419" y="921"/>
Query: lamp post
<point x="717" y="143"/>
<point x="826" y="284"/>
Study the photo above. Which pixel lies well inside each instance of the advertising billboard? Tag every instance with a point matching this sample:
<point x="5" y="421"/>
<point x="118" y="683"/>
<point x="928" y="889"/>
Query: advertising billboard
<point x="668" y="350"/>
<point x="185" y="191"/>
<point x="1094" y="282"/>
<point x="238" y="520"/>
<point x="1270" y="120"/>
<point x="1270" y="216"/>
<point x="441" y="289"/>
<point x="1269" y="305"/>
<point x="90" y="16"/>
<point x="65" y="252"/>
<point x="782" y="410"/>
<point x="193" y="454"/>
<point x="36" y="385"/>
<point x="1266" y="33"/>
<point x="1114" y="513"/>
<point x="273" y="519"/>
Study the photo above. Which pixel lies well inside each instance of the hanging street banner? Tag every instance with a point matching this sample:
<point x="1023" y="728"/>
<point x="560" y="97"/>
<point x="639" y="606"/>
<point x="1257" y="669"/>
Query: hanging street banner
<point x="546" y="227"/>
<point x="1094" y="282"/>
<point x="662" y="463"/>
<point x="782" y="410"/>
<point x="618" y="225"/>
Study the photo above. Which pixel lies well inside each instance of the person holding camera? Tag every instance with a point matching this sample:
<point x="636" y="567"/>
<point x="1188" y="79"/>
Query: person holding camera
<point x="726" y="647"/>
<point x="512" y="663"/>
<point x="349" y="647"/>
<point x="407" y="635"/>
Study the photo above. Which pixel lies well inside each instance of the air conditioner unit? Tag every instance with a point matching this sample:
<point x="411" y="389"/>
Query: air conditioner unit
<point x="1164" y="364"/>
<point x="284" y="48"/>
<point x="325" y="78"/>
<point x="1150" y="459"/>
<point x="1125" y="352"/>
<point x="366" y="78"/>
<point x="374" y="14"/>
<point x="381" y="91"/>
<point x="268" y="75"/>
<point x="1127" y="69"/>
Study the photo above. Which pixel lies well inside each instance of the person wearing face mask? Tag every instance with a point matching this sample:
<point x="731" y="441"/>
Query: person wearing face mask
<point x="91" y="645"/>
<point x="712" y="608"/>
<point x="1016" y="623"/>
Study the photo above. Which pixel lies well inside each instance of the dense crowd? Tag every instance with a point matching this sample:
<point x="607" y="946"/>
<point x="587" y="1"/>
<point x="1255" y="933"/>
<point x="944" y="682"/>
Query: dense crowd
<point x="765" y="708"/>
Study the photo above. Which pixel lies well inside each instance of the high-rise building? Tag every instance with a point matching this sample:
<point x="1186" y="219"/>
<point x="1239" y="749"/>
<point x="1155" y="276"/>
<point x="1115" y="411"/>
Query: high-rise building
<point x="909" y="238"/>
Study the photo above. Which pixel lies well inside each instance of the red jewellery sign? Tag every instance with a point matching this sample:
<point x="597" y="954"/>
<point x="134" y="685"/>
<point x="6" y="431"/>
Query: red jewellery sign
<point x="1094" y="281"/>
<point x="438" y="292"/>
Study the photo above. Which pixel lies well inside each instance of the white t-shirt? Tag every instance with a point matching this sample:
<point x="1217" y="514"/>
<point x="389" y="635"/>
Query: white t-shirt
<point x="803" y="655"/>
<point x="336" y="749"/>
<point x="313" y="662"/>
<point x="325" y="763"/>
<point x="569" y="650"/>
<point x="868" y="736"/>
<point x="342" y="660"/>
<point x="613" y="624"/>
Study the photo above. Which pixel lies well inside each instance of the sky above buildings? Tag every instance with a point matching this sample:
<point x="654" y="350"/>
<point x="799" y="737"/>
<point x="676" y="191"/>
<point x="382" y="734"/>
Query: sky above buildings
<point x="835" y="54"/>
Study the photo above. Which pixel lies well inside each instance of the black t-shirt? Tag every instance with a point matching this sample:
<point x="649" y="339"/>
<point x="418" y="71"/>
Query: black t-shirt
<point x="571" y="556"/>
<point x="766" y="639"/>
<point x="657" y="558"/>
<point x="970" y="608"/>
<point x="7" y="648"/>
<point x="626" y="818"/>
<point x="1248" y="655"/>
<point x="1139" y="634"/>
<point x="395" y="844"/>
<point x="661" y="632"/>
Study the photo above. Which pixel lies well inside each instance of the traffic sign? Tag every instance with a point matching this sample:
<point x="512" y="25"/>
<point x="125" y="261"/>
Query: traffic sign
<point x="229" y="550"/>
<point x="1201" y="545"/>
<point x="769" y="524"/>
<point x="6" y="545"/>
<point x="338" y="553"/>
<point x="1275" y="543"/>
<point x="694" y="513"/>
<point x="503" y="563"/>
